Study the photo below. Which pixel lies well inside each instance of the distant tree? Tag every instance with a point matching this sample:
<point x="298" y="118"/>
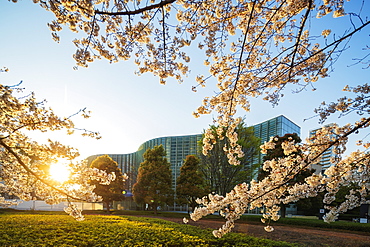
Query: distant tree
<point x="154" y="179"/>
<point x="113" y="191"/>
<point x="221" y="176"/>
<point x="191" y="183"/>
<point x="278" y="152"/>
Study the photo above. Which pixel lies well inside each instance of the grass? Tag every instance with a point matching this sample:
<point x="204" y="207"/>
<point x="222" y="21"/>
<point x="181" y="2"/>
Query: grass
<point x="256" y="219"/>
<point x="58" y="229"/>
<point x="123" y="228"/>
<point x="310" y="222"/>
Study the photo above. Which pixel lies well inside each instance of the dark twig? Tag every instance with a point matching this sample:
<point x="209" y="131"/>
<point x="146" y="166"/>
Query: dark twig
<point x="138" y="11"/>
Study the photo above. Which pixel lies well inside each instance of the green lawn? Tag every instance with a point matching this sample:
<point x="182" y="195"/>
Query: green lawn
<point x="36" y="228"/>
<point x="298" y="221"/>
<point x="53" y="229"/>
<point x="256" y="219"/>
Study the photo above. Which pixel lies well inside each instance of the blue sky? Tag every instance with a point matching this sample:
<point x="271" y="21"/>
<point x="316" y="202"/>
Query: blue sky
<point x="126" y="109"/>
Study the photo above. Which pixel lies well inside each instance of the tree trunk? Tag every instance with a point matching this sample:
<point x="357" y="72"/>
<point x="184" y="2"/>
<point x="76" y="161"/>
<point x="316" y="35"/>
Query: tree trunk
<point x="155" y="208"/>
<point x="107" y="207"/>
<point x="282" y="210"/>
<point x="193" y="205"/>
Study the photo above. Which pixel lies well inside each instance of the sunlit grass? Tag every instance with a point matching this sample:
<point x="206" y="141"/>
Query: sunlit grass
<point x="102" y="230"/>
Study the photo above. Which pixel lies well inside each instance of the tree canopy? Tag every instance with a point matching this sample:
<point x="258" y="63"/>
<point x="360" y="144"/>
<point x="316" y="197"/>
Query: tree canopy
<point x="154" y="180"/>
<point x="114" y="190"/>
<point x="221" y="176"/>
<point x="25" y="164"/>
<point x="191" y="183"/>
<point x="278" y="152"/>
<point x="253" y="48"/>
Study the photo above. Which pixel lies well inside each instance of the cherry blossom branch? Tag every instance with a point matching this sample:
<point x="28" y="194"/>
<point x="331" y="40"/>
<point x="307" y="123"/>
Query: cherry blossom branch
<point x="164" y="39"/>
<point x="91" y="33"/>
<point x="241" y="55"/>
<point x="138" y="11"/>
<point x="19" y="128"/>
<point x="334" y="43"/>
<point x="254" y="44"/>
<point x="308" y="10"/>
<point x="308" y="163"/>
<point x="20" y="161"/>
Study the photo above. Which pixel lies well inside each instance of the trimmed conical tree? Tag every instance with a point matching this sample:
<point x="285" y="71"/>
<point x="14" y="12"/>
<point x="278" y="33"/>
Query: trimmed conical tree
<point x="154" y="180"/>
<point x="191" y="183"/>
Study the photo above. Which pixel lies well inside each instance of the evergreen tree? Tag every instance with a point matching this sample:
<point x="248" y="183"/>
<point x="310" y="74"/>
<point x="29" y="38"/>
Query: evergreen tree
<point x="154" y="179"/>
<point x="191" y="183"/>
<point x="113" y="191"/>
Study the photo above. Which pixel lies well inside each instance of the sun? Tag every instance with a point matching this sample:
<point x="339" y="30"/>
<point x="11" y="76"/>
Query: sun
<point x="59" y="172"/>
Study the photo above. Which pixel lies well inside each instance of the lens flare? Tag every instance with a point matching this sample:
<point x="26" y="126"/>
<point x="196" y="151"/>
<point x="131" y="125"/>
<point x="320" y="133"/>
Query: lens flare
<point x="59" y="172"/>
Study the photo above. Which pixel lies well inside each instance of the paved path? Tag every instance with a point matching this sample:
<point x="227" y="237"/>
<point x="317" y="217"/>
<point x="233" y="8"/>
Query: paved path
<point x="310" y="237"/>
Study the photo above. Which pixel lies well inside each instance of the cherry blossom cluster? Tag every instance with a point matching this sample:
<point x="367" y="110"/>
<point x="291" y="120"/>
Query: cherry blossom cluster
<point x="276" y="188"/>
<point x="253" y="48"/>
<point x="233" y="36"/>
<point x="74" y="211"/>
<point x="24" y="163"/>
<point x="227" y="129"/>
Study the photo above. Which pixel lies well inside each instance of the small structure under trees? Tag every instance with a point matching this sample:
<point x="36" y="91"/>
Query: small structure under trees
<point x="154" y="180"/>
<point x="113" y="191"/>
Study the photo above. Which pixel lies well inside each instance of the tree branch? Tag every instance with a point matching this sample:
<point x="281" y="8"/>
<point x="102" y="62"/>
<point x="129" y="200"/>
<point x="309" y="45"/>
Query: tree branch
<point x="334" y="43"/>
<point x="138" y="11"/>
<point x="164" y="39"/>
<point x="20" y="161"/>
<point x="299" y="37"/>
<point x="254" y="44"/>
<point x="291" y="177"/>
<point x="91" y="34"/>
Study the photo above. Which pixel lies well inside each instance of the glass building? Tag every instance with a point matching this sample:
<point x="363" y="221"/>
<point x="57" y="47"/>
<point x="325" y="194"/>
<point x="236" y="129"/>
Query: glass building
<point x="278" y="126"/>
<point x="178" y="147"/>
<point x="325" y="160"/>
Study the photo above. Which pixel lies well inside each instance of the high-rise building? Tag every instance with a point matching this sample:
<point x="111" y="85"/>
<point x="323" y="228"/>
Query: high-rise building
<point x="324" y="162"/>
<point x="176" y="147"/>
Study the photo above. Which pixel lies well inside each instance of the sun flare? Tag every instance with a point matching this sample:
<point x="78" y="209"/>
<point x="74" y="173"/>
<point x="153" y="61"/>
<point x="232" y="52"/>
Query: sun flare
<point x="59" y="172"/>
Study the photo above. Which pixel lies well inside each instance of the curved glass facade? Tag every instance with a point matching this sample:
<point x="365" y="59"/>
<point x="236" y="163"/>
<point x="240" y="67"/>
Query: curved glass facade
<point x="178" y="147"/>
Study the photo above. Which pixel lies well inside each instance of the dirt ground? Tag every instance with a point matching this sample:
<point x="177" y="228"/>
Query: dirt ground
<point x="304" y="236"/>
